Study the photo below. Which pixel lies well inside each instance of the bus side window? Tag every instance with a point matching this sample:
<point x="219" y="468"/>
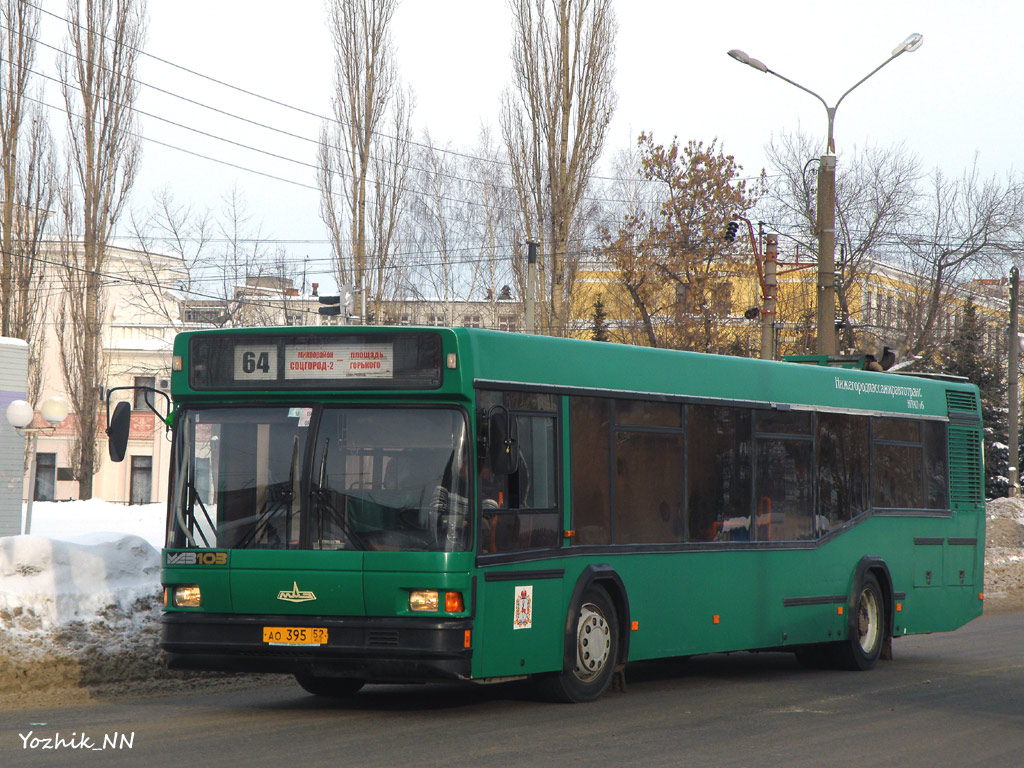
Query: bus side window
<point x="520" y="511"/>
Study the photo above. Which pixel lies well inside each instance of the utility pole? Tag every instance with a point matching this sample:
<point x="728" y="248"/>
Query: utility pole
<point x="531" y="286"/>
<point x="1012" y="389"/>
<point x="771" y="260"/>
<point x="827" y="255"/>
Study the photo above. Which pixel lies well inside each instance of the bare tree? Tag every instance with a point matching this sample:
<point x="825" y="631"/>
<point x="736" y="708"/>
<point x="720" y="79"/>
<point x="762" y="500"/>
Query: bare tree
<point x="554" y="122"/>
<point x="359" y="163"/>
<point x="440" y="226"/>
<point x="876" y="194"/>
<point x="174" y="241"/>
<point x="963" y="227"/>
<point x="97" y="74"/>
<point x="197" y="268"/>
<point x="389" y="168"/>
<point x="492" y="221"/>
<point x="27" y="176"/>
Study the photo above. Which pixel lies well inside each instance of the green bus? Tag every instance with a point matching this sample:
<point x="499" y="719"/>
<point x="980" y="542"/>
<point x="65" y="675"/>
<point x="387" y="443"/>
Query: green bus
<point x="354" y="505"/>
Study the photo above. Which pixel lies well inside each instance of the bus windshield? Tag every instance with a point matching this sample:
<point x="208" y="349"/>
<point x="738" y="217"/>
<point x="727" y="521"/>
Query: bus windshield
<point x="368" y="478"/>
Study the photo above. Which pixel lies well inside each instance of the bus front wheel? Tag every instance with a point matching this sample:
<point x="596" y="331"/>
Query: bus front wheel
<point x="335" y="687"/>
<point x="596" y="644"/>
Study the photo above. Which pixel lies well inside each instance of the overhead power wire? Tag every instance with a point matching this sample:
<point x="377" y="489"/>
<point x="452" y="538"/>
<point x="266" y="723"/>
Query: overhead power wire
<point x="322" y="118"/>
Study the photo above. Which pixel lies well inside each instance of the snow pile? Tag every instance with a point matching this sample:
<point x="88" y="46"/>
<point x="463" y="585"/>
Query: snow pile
<point x="1012" y="509"/>
<point x="78" y="605"/>
<point x="1004" y="548"/>
<point x="48" y="583"/>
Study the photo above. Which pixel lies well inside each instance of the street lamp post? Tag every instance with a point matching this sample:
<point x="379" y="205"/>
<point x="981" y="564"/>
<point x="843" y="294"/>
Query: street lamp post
<point x="20" y="415"/>
<point x="826" y="224"/>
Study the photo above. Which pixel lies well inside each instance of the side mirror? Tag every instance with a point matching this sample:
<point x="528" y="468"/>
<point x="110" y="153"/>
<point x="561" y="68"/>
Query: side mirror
<point x="502" y="441"/>
<point x="117" y="431"/>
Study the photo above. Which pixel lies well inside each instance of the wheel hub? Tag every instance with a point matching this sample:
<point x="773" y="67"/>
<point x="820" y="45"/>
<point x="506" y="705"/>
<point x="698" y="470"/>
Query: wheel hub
<point x="593" y="642"/>
<point x="868" y="621"/>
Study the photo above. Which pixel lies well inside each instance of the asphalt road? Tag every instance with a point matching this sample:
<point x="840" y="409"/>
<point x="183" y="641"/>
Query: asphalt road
<point x="954" y="699"/>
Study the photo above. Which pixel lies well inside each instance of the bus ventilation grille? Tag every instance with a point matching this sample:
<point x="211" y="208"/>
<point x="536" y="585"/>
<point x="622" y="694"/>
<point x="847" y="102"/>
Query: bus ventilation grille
<point x="382" y="638"/>
<point x="961" y="401"/>
<point x="966" y="487"/>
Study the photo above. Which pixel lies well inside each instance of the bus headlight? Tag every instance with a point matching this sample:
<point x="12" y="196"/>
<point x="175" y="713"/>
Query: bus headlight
<point x="185" y="596"/>
<point x="423" y="600"/>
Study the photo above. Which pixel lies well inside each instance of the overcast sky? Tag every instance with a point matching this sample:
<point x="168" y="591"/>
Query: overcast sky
<point x="959" y="94"/>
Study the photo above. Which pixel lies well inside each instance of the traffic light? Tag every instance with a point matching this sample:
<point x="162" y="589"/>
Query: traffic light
<point x="332" y="305"/>
<point x="730" y="231"/>
<point x="752" y="313"/>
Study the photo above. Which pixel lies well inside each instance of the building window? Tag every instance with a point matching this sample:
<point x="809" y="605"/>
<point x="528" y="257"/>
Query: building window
<point x="507" y="323"/>
<point x="471" y="321"/>
<point x="143" y="399"/>
<point x="46" y="477"/>
<point x="435" y="320"/>
<point x="141" y="491"/>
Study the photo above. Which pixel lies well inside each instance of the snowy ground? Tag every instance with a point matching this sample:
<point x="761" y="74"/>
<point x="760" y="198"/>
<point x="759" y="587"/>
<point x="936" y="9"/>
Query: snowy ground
<point x="80" y="597"/>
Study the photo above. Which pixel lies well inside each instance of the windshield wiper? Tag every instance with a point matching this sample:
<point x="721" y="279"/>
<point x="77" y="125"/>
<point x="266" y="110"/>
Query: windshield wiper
<point x="196" y="498"/>
<point x="319" y="494"/>
<point x="279" y="499"/>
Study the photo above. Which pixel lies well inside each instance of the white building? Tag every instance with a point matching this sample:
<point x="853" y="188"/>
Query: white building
<point x="13" y="368"/>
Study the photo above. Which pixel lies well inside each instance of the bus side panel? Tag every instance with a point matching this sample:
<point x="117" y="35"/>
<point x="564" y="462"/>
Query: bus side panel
<point x="724" y="601"/>
<point x="688" y="603"/>
<point x="520" y="624"/>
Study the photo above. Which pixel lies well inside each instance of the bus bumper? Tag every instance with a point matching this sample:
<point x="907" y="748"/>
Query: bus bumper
<point x="371" y="649"/>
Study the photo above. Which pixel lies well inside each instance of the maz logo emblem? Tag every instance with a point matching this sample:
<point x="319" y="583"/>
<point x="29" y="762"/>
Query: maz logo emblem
<point x="296" y="595"/>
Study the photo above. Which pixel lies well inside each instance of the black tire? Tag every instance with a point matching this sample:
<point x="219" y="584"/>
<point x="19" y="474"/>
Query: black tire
<point x="597" y="652"/>
<point x="862" y="648"/>
<point x="333" y="687"/>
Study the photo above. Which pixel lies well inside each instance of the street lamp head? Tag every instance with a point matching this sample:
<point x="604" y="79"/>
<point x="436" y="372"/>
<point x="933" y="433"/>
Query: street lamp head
<point x="909" y="45"/>
<point x="20" y="414"/>
<point x="740" y="56"/>
<point x="54" y="410"/>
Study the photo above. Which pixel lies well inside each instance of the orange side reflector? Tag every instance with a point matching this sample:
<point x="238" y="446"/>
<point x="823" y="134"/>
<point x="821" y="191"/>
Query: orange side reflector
<point x="899" y="607"/>
<point x="466" y="639"/>
<point x="715" y="620"/>
<point x="453" y="602"/>
<point x="981" y="595"/>
<point x="839" y="610"/>
<point x="635" y="626"/>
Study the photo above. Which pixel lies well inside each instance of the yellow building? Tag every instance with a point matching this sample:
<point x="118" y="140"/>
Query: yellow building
<point x="886" y="308"/>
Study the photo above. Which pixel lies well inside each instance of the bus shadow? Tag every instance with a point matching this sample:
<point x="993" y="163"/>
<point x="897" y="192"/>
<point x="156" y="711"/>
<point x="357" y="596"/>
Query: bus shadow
<point x="413" y="698"/>
<point x="406" y="698"/>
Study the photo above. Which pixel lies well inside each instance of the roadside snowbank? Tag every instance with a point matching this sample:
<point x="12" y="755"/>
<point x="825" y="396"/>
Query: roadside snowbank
<point x="80" y="596"/>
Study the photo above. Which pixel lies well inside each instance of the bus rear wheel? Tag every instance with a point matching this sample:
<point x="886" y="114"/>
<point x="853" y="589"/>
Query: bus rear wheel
<point x="333" y="687"/>
<point x="867" y="634"/>
<point x="596" y="644"/>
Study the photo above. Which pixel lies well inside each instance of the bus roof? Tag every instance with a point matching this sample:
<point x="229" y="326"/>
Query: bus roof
<point x="496" y="358"/>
